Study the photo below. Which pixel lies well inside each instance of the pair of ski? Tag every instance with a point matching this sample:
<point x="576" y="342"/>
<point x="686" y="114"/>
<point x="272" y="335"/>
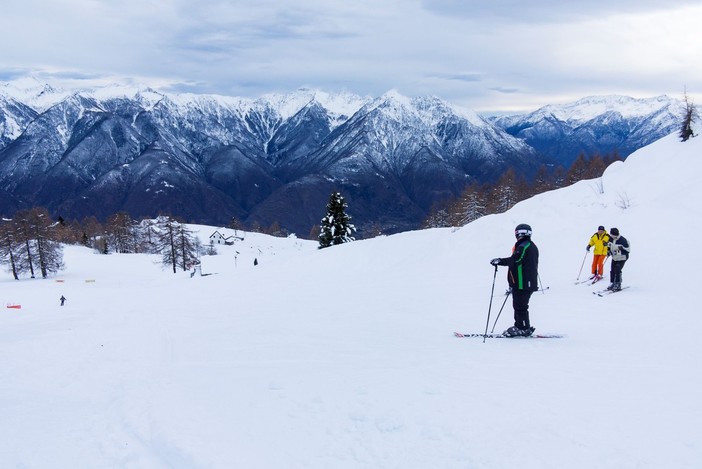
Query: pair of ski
<point x="608" y="292"/>
<point x="591" y="281"/>
<point x="502" y="336"/>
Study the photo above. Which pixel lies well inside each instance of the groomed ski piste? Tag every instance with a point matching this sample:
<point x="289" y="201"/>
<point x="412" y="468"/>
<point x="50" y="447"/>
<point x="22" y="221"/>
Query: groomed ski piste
<point x="345" y="357"/>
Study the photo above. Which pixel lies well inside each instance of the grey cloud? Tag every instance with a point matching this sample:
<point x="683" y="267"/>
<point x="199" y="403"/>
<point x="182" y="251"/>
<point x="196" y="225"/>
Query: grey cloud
<point x="9" y="74"/>
<point x="546" y="11"/>
<point x="72" y="75"/>
<point x="504" y="90"/>
<point x="466" y="77"/>
<point x="234" y="37"/>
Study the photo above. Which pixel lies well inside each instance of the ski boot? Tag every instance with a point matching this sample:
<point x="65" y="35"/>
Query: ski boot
<point x="514" y="331"/>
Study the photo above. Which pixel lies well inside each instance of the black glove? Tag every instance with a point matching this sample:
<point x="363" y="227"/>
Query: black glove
<point x="587" y="248"/>
<point x="496" y="261"/>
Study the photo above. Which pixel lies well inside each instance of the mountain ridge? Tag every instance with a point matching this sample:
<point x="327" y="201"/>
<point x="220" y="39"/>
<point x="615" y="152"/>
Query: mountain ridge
<point x="594" y="124"/>
<point x="210" y="158"/>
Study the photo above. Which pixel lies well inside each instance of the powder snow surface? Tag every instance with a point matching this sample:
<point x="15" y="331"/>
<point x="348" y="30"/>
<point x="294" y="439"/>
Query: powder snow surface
<point x="345" y="357"/>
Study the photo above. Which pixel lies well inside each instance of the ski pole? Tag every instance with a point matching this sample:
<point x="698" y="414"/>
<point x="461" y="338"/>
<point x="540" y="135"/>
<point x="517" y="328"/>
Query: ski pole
<point x="487" y="324"/>
<point x="581" y="265"/>
<point x="604" y="264"/>
<point x="498" y="314"/>
<point x="543" y="290"/>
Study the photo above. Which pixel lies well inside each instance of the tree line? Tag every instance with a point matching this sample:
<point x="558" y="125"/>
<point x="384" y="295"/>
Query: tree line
<point x="478" y="200"/>
<point x="31" y="242"/>
<point x="28" y="244"/>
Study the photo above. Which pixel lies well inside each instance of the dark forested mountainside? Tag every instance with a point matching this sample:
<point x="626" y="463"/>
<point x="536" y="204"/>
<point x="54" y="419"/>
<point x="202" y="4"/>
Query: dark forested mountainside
<point x="273" y="160"/>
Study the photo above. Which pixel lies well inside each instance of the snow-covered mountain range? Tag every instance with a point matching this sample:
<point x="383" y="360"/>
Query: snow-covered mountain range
<point x="596" y="124"/>
<point x="212" y="158"/>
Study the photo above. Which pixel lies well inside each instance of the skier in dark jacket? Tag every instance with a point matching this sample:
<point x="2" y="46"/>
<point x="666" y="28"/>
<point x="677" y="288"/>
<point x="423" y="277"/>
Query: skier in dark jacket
<point x="619" y="250"/>
<point x="523" y="278"/>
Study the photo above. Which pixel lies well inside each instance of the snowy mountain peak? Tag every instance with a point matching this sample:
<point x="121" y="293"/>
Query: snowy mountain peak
<point x="394" y="97"/>
<point x="590" y="107"/>
<point x="337" y="104"/>
<point x="595" y="124"/>
<point x="33" y="92"/>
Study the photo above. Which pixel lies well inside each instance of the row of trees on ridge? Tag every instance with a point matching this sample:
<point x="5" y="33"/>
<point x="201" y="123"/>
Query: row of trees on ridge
<point x="478" y="200"/>
<point x="31" y="241"/>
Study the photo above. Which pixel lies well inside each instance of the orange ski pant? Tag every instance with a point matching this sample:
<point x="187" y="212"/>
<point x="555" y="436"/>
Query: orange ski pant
<point x="598" y="264"/>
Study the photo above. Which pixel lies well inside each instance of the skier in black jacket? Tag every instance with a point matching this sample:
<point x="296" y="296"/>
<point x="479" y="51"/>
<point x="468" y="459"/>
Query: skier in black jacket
<point x="619" y="250"/>
<point x="523" y="278"/>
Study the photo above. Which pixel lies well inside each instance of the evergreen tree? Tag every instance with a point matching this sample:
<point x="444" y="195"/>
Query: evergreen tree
<point x="336" y="227"/>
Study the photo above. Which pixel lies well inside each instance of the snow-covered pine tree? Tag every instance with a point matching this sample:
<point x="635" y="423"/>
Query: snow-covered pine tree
<point x="336" y="227"/>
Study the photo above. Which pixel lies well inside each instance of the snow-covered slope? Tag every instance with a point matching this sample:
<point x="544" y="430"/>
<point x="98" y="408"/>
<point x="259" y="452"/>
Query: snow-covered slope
<point x="345" y="357"/>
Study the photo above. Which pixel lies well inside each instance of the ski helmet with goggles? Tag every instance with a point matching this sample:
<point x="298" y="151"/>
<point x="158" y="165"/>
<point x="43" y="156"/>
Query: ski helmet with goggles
<point x="522" y="230"/>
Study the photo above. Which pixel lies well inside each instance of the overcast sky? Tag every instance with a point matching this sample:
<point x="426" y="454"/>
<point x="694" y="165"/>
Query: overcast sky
<point x="489" y="55"/>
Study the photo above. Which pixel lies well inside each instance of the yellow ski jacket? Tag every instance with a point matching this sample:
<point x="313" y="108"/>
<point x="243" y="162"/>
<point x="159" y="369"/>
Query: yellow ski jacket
<point x="600" y="244"/>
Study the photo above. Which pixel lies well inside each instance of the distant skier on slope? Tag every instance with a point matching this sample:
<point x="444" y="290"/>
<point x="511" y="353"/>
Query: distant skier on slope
<point x="522" y="276"/>
<point x="619" y="250"/>
<point x="599" y="240"/>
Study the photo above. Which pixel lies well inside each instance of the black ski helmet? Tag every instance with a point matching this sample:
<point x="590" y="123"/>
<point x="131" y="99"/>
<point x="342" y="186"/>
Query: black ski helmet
<point x="522" y="230"/>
